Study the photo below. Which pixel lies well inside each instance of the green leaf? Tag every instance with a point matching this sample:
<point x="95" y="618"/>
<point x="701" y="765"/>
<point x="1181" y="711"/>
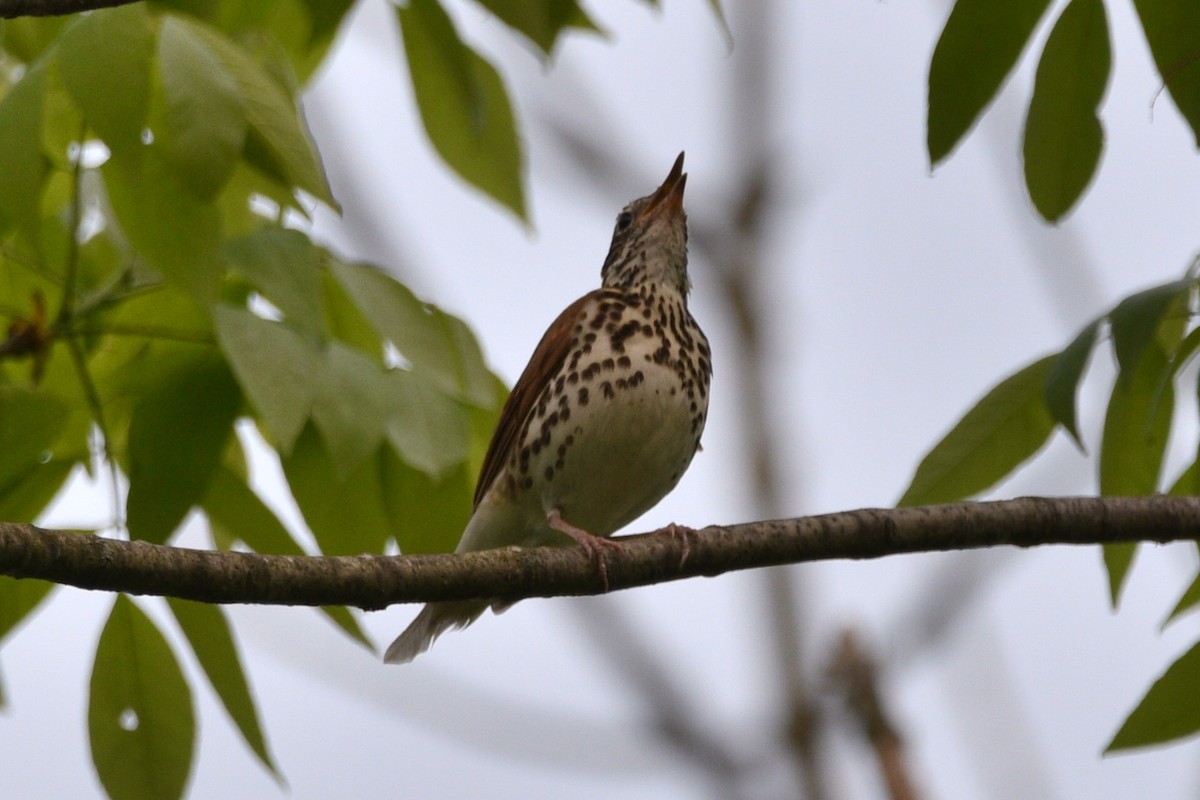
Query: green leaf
<point x="542" y="21"/>
<point x="176" y="440"/>
<point x="1136" y="428"/>
<point x="1136" y="321"/>
<point x="1063" y="135"/>
<point x="279" y="141"/>
<point x="1172" y="29"/>
<point x="997" y="435"/>
<point x="27" y="495"/>
<point x="1169" y="710"/>
<point x="346" y="514"/>
<point x="141" y="723"/>
<point x="205" y="127"/>
<point x="345" y="321"/>
<point x="351" y="407"/>
<point x="1187" y="601"/>
<point x="30" y="422"/>
<point x="208" y="632"/>
<point x="427" y="428"/>
<point x="427" y="515"/>
<point x="1062" y="379"/>
<point x="285" y="266"/>
<point x="432" y="341"/>
<point x="343" y="618"/>
<point x="18" y="600"/>
<point x="464" y="105"/>
<point x="26" y="38"/>
<point x="176" y="232"/>
<point x="233" y="505"/>
<point x="275" y="366"/>
<point x="23" y="165"/>
<point x="104" y="59"/>
<point x="977" y="50"/>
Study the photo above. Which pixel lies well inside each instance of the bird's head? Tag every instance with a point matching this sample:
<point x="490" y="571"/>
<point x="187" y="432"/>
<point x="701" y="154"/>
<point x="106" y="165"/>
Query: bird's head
<point x="650" y="239"/>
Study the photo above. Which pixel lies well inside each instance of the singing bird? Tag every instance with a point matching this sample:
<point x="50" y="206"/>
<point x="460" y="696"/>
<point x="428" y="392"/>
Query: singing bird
<point x="606" y="416"/>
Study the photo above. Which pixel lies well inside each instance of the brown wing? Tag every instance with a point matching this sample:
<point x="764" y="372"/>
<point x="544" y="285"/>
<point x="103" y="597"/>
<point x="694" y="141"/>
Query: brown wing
<point x="543" y="364"/>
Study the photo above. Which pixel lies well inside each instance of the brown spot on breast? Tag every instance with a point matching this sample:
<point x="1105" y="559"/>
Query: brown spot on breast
<point x="583" y="396"/>
<point x="607" y="388"/>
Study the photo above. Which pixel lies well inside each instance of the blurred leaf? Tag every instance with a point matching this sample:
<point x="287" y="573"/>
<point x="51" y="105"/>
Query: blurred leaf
<point x="1136" y="428"/>
<point x="176" y="232"/>
<point x="205" y="113"/>
<point x="1187" y="601"/>
<point x="284" y="266"/>
<point x="1168" y="711"/>
<point x="1172" y="29"/>
<point x="208" y="632"/>
<point x="1062" y="379"/>
<point x="346" y="322"/>
<point x="23" y="166"/>
<point x="26" y="38"/>
<point x="977" y="50"/>
<point x="346" y="514"/>
<point x="140" y="720"/>
<point x="427" y="428"/>
<point x="233" y="505"/>
<point x="1063" y="136"/>
<point x="464" y="105"/>
<point x="427" y="515"/>
<point x="28" y="494"/>
<point x="351" y="407"/>
<point x="176" y="439"/>
<point x="343" y="618"/>
<point x="431" y="340"/>
<point x="104" y="59"/>
<point x="1136" y="320"/>
<point x="275" y="366"/>
<point x="1003" y="429"/>
<point x="30" y="422"/>
<point x="543" y="21"/>
<point x="19" y="599"/>
<point x="279" y="141"/>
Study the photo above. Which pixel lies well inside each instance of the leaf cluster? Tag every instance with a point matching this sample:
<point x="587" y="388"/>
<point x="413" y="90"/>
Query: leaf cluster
<point x="981" y="44"/>
<point x="1154" y="336"/>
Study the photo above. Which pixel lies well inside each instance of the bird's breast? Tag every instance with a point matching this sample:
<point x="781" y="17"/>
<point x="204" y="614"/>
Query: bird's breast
<point x="615" y="429"/>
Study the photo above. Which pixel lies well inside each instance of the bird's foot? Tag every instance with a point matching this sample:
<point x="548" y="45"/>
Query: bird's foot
<point x="596" y="546"/>
<point x="685" y="535"/>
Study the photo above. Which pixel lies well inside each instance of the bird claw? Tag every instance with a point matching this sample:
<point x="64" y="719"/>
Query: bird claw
<point x="594" y="545"/>
<point x="685" y="535"/>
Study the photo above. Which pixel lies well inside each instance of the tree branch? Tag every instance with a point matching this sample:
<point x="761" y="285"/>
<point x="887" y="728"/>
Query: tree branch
<point x="11" y="9"/>
<point x="373" y="582"/>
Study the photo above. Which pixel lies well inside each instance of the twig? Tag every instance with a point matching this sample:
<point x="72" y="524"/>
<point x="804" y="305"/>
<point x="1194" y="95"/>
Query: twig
<point x="11" y="9"/>
<point x="374" y="582"/>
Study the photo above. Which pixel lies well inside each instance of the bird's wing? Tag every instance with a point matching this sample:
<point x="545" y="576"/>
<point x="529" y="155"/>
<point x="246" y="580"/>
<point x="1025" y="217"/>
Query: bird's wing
<point x="545" y="362"/>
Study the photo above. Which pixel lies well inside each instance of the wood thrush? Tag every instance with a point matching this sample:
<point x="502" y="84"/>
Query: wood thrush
<point x="606" y="416"/>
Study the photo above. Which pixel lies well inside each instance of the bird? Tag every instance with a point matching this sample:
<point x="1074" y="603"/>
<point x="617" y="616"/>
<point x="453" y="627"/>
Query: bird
<point x="605" y="418"/>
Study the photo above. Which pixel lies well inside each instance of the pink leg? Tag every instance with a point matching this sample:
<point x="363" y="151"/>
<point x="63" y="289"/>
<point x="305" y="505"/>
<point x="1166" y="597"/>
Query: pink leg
<point x="594" y="545"/>
<point x="685" y="535"/>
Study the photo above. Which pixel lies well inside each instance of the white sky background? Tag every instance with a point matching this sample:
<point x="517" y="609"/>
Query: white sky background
<point x="895" y="298"/>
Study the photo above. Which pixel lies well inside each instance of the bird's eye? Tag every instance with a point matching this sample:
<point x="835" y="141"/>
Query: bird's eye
<point x="624" y="220"/>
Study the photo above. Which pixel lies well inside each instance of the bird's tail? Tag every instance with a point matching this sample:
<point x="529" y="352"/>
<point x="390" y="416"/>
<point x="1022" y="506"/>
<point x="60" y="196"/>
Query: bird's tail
<point x="434" y="620"/>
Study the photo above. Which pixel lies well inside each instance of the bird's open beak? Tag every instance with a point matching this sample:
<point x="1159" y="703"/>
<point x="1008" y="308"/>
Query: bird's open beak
<point x="668" y="198"/>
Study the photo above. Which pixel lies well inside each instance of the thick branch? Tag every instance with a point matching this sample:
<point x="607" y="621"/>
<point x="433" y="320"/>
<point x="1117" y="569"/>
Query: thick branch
<point x="371" y="582"/>
<point x="10" y="9"/>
